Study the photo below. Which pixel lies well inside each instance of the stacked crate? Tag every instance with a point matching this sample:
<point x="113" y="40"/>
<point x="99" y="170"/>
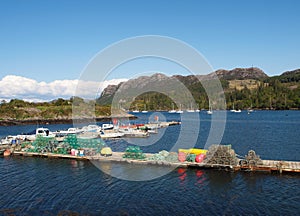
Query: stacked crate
<point x="221" y="154"/>
<point x="251" y="159"/>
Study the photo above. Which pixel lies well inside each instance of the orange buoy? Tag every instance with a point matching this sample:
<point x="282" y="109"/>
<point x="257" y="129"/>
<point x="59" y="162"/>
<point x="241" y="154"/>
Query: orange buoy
<point x="6" y="153"/>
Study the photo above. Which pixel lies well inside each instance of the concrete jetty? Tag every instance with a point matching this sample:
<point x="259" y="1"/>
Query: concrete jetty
<point x="270" y="166"/>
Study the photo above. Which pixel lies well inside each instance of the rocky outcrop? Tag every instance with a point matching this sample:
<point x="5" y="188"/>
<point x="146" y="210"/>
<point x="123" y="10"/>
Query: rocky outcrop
<point x="241" y="73"/>
<point x="293" y="72"/>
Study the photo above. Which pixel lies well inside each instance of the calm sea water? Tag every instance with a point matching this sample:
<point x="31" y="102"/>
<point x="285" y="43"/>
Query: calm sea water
<point x="35" y="186"/>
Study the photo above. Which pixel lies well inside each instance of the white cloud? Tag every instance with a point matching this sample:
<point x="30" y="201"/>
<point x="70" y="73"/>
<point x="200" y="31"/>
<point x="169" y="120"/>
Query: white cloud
<point x="12" y="86"/>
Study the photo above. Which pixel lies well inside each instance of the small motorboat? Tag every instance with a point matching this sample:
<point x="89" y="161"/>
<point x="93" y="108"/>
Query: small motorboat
<point x="111" y="134"/>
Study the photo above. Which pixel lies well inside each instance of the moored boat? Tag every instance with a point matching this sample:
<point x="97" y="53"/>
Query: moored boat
<point x="8" y="140"/>
<point x="111" y="134"/>
<point x="91" y="128"/>
<point x="69" y="131"/>
<point x="130" y="132"/>
<point x="209" y="111"/>
<point x="145" y="110"/>
<point x="107" y="126"/>
<point x="43" y="132"/>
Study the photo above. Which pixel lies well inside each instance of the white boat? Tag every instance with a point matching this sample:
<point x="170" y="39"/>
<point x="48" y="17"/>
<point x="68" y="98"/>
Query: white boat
<point x="61" y="134"/>
<point x="190" y="110"/>
<point x="69" y="131"/>
<point x="111" y="134"/>
<point x="153" y="126"/>
<point x="42" y="132"/>
<point x="107" y="126"/>
<point x="234" y="110"/>
<point x="209" y="111"/>
<point x="145" y="110"/>
<point x="91" y="128"/>
<point x="250" y="109"/>
<point x="152" y="131"/>
<point x="172" y="110"/>
<point x="130" y="132"/>
<point x="136" y="110"/>
<point x="7" y="140"/>
<point x="179" y="111"/>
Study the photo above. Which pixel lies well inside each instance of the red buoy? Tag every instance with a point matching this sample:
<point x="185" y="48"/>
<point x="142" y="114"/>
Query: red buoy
<point x="199" y="158"/>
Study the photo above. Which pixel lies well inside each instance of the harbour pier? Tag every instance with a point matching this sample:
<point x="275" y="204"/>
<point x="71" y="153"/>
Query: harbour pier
<point x="270" y="166"/>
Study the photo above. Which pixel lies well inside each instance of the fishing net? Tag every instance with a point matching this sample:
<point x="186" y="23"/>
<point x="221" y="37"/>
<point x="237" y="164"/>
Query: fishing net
<point x="43" y="144"/>
<point x="165" y="156"/>
<point x="191" y="157"/>
<point x="51" y="145"/>
<point x="134" y="152"/>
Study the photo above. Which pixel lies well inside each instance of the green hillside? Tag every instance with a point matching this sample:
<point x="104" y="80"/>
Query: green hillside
<point x="245" y="88"/>
<point x="18" y="109"/>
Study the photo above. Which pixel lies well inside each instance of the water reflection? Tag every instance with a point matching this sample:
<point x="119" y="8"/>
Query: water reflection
<point x="182" y="174"/>
<point x="186" y="176"/>
<point x="133" y="172"/>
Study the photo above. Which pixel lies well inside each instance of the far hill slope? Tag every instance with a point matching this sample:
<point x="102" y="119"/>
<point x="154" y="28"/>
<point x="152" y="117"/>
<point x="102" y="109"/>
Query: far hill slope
<point x="290" y="76"/>
<point x="162" y="81"/>
<point x="243" y="87"/>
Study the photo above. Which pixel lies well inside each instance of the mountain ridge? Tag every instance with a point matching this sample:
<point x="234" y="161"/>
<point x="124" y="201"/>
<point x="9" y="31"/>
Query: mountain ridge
<point x="236" y="73"/>
<point x="234" y="82"/>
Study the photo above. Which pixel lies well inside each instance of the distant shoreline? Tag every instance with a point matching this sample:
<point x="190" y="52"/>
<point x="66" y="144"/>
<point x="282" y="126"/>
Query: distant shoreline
<point x="12" y="122"/>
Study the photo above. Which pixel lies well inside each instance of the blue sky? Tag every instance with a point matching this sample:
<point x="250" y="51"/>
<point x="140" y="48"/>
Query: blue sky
<point x="54" y="40"/>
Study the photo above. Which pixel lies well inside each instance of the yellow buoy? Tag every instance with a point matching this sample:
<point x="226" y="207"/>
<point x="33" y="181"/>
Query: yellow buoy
<point x="106" y="151"/>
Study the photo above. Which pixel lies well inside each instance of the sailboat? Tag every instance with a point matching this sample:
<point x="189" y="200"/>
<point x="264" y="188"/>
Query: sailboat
<point x="190" y="110"/>
<point x="145" y="110"/>
<point x="234" y="110"/>
<point x="250" y="109"/>
<point x="172" y="110"/>
<point x="179" y="111"/>
<point x="136" y="110"/>
<point x="209" y="111"/>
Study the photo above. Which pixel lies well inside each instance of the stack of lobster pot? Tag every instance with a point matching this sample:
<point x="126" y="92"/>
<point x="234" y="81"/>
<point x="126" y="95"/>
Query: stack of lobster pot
<point x="251" y="159"/>
<point x="221" y="154"/>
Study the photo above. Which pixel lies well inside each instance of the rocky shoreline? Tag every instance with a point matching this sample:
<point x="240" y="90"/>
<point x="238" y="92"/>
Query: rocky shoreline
<point x="11" y="122"/>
